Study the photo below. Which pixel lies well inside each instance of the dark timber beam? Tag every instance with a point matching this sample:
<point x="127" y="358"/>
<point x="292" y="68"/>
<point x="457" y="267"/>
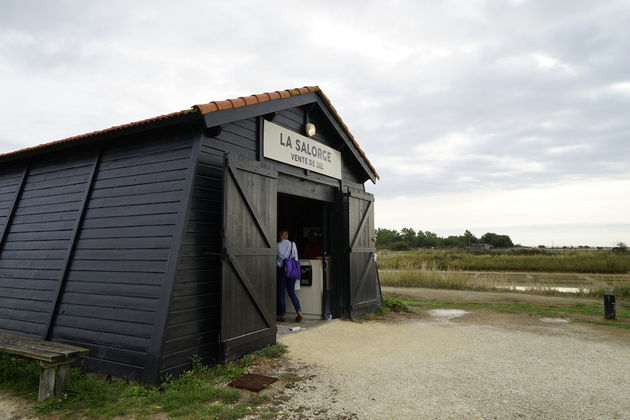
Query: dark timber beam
<point x="361" y="224"/>
<point x="52" y="313"/>
<point x="154" y="358"/>
<point x="212" y="119"/>
<point x="16" y="200"/>
<point x="260" y="128"/>
<point x="258" y="302"/>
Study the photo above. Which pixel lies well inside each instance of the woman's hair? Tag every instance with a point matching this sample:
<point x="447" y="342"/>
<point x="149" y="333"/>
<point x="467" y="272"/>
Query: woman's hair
<point x="283" y="234"/>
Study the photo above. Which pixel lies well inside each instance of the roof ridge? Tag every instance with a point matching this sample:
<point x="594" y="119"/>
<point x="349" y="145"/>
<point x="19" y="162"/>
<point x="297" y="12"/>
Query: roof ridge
<point x="207" y="108"/>
<point x="242" y="101"/>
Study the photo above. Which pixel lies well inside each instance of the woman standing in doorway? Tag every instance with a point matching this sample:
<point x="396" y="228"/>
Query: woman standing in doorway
<point x="286" y="249"/>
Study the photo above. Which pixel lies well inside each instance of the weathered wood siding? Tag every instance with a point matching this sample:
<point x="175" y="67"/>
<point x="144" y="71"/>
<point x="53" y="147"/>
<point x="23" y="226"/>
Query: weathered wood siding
<point x="113" y="283"/>
<point x="193" y="320"/>
<point x="38" y="238"/>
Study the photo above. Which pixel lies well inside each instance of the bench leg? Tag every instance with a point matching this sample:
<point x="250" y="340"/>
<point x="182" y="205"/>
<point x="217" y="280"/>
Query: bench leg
<point x="63" y="376"/>
<point x="47" y="383"/>
<point x="53" y="380"/>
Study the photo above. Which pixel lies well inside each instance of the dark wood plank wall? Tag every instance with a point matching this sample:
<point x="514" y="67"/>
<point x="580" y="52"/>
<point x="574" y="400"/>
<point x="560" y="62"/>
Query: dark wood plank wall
<point x="193" y="321"/>
<point x="239" y="138"/>
<point x="38" y="239"/>
<point x="10" y="182"/>
<point x="117" y="275"/>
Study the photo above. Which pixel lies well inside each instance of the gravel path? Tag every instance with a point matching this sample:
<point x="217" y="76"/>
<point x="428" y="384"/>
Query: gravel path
<point x="12" y="408"/>
<point x="459" y="368"/>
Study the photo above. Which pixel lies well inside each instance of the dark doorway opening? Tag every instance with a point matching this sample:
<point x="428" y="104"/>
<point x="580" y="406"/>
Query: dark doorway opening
<point x="307" y="222"/>
<point x="301" y="217"/>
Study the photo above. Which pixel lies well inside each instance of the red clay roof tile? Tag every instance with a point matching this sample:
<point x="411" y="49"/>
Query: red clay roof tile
<point x="250" y="100"/>
<point x="214" y="106"/>
<point x="96" y="133"/>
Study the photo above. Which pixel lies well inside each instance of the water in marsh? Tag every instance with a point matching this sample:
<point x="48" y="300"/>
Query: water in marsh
<point x="532" y="282"/>
<point x="561" y="289"/>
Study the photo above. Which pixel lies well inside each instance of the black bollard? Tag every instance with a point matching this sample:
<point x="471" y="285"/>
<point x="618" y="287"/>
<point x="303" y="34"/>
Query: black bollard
<point x="609" y="306"/>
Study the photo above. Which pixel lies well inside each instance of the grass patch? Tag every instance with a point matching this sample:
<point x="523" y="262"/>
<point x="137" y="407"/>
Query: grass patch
<point x="389" y="305"/>
<point x="616" y="324"/>
<point x="272" y="352"/>
<point x="581" y="312"/>
<point x="200" y="393"/>
<point x="18" y="376"/>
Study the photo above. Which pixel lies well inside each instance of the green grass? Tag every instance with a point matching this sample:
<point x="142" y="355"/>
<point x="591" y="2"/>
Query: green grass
<point x="580" y="312"/>
<point x="272" y="352"/>
<point x="18" y="377"/>
<point x="200" y="393"/>
<point x="566" y="261"/>
<point x="389" y="305"/>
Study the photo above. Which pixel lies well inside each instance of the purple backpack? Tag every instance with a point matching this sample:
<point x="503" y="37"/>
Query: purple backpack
<point x="292" y="269"/>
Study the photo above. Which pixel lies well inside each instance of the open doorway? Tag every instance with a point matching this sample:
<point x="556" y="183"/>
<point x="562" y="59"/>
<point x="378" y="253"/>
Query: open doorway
<point x="307" y="222"/>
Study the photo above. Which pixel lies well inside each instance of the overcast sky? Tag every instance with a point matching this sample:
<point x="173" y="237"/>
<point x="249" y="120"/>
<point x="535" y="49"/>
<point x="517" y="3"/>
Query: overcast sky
<point x="504" y="116"/>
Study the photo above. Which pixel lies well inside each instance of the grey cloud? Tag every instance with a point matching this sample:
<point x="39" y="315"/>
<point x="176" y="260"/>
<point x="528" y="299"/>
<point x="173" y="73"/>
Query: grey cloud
<point x="418" y="73"/>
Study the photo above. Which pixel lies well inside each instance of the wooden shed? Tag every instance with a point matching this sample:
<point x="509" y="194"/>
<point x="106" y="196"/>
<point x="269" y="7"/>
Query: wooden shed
<point x="154" y="241"/>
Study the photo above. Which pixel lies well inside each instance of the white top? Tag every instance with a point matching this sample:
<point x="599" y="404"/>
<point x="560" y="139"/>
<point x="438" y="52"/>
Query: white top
<point x="286" y="250"/>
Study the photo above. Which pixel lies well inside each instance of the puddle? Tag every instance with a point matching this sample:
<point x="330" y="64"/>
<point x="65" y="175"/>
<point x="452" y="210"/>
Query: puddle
<point x="556" y="320"/>
<point x="447" y="313"/>
<point x="560" y="289"/>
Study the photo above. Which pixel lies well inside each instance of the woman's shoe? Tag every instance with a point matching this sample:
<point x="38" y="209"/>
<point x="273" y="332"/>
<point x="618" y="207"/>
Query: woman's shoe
<point x="280" y="319"/>
<point x="298" y="318"/>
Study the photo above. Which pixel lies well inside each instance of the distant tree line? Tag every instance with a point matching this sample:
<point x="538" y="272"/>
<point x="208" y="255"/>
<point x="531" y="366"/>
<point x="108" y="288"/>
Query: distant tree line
<point x="408" y="238"/>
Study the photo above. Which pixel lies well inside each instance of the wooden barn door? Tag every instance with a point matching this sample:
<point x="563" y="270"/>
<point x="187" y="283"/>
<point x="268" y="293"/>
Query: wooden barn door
<point x="248" y="286"/>
<point x="364" y="289"/>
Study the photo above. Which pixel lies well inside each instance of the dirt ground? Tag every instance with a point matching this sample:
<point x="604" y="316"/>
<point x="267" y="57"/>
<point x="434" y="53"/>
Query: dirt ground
<point x="453" y="365"/>
<point x="12" y="408"/>
<point x="446" y="365"/>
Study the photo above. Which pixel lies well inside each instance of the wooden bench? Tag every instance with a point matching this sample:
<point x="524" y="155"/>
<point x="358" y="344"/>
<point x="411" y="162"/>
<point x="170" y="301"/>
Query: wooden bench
<point x="54" y="360"/>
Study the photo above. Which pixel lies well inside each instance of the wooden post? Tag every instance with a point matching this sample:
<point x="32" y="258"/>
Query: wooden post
<point x="609" y="307"/>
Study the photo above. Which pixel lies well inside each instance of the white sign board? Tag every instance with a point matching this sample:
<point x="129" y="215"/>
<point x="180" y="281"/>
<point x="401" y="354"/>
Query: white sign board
<point x="287" y="146"/>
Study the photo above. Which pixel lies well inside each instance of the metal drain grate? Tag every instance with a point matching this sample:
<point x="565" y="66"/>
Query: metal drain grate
<point x="253" y="382"/>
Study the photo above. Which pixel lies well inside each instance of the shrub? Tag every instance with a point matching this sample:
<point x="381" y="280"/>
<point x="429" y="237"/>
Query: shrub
<point x="396" y="305"/>
<point x="399" y="246"/>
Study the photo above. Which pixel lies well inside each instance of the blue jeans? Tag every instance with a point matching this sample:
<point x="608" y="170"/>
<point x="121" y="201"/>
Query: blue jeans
<point x="283" y="284"/>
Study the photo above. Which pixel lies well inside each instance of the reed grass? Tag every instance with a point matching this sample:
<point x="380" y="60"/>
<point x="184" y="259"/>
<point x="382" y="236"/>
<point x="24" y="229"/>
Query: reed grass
<point x="535" y="283"/>
<point x="566" y="261"/>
